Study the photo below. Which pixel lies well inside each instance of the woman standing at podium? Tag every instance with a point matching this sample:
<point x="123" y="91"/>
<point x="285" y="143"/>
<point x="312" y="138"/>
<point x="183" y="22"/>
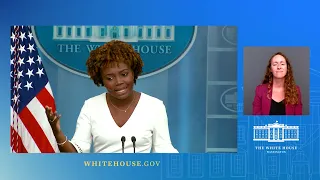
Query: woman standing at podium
<point x="121" y="119"/>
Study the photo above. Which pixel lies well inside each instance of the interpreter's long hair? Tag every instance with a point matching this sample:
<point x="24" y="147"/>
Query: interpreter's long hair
<point x="291" y="92"/>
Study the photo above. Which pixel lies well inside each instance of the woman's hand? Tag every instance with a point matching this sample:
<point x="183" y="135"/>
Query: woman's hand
<point x="54" y="120"/>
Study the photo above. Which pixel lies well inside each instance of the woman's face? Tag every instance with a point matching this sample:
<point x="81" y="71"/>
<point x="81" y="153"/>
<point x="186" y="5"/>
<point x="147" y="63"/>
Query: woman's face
<point x="278" y="67"/>
<point x="119" y="80"/>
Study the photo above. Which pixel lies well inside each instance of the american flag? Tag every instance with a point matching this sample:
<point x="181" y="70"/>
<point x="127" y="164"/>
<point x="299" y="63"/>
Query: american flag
<point x="30" y="92"/>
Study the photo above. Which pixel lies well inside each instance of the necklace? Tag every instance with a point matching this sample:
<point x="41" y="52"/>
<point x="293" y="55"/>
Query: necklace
<point x="127" y="107"/>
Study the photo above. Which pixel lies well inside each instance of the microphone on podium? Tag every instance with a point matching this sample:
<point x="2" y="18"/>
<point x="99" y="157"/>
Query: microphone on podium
<point x="133" y="139"/>
<point x="123" y="139"/>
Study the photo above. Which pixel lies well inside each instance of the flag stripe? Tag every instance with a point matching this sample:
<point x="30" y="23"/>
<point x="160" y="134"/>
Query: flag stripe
<point x="48" y="87"/>
<point x="35" y="131"/>
<point x="46" y="99"/>
<point x="13" y="136"/>
<point x="22" y="149"/>
<point x="27" y="141"/>
<point x="38" y="112"/>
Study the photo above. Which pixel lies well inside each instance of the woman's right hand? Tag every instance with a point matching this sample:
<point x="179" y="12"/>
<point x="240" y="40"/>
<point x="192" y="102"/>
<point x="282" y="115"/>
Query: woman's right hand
<point x="54" y="120"/>
<point x="62" y="140"/>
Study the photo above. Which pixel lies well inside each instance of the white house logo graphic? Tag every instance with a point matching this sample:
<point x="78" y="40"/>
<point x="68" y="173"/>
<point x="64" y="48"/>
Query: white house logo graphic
<point x="108" y="33"/>
<point x="228" y="99"/>
<point x="160" y="47"/>
<point x="229" y="34"/>
<point x="276" y="133"/>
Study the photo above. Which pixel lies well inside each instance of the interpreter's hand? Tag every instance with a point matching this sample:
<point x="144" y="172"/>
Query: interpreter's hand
<point x="54" y="119"/>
